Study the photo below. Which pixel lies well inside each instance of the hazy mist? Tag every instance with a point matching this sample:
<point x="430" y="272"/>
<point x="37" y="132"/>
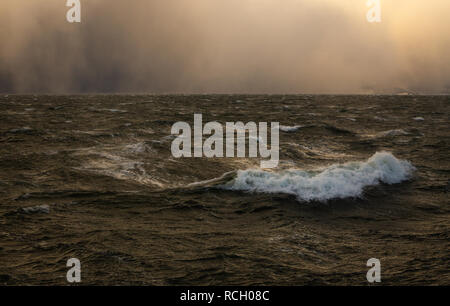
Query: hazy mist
<point x="225" y="46"/>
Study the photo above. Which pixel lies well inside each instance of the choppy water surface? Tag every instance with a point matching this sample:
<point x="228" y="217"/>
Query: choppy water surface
<point x="92" y="177"/>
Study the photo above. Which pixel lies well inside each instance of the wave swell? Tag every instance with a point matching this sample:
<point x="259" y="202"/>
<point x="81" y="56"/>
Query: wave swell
<point x="334" y="182"/>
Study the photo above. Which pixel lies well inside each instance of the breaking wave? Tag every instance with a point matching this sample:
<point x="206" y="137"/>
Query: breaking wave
<point x="290" y="129"/>
<point x="334" y="182"/>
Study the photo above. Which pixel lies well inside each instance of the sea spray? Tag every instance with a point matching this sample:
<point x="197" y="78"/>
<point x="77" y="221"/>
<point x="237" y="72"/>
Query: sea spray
<point x="334" y="182"/>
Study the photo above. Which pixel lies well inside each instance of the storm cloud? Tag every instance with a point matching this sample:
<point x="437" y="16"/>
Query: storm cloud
<point x="217" y="46"/>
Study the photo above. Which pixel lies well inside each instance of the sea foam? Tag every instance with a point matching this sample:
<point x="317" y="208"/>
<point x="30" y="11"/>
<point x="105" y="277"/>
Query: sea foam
<point x="334" y="182"/>
<point x="290" y="129"/>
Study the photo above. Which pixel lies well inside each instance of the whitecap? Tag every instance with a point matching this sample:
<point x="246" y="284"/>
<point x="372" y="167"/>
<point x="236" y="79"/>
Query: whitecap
<point x="36" y="209"/>
<point x="290" y="129"/>
<point x="114" y="110"/>
<point x="140" y="147"/>
<point x="25" y="129"/>
<point x="392" y="133"/>
<point x="334" y="182"/>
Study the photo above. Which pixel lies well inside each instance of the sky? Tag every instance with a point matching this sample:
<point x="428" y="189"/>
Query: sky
<point x="225" y="46"/>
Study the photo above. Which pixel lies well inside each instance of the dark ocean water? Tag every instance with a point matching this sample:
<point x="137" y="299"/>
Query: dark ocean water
<point x="92" y="177"/>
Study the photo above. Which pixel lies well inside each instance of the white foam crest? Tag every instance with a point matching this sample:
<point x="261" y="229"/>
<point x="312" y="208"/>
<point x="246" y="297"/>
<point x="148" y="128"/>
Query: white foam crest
<point x="334" y="182"/>
<point x="140" y="147"/>
<point x="118" y="167"/>
<point x="290" y="129"/>
<point x="393" y="133"/>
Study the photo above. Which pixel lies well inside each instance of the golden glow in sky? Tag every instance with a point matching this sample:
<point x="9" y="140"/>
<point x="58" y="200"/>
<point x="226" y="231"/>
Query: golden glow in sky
<point x="299" y="46"/>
